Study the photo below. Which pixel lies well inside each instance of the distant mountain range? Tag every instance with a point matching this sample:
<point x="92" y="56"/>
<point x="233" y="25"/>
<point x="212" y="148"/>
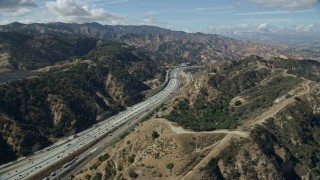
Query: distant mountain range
<point x="168" y="45"/>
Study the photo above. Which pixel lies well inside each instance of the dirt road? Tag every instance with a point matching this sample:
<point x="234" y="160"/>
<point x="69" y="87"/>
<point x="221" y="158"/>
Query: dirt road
<point x="180" y="130"/>
<point x="273" y="110"/>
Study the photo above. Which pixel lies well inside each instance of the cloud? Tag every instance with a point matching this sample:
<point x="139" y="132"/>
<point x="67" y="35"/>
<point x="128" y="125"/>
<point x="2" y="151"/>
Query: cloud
<point x="149" y="20"/>
<point x="307" y="28"/>
<point x="72" y="11"/>
<point x="263" y="28"/>
<point x="288" y="4"/>
<point x="116" y="1"/>
<point x="268" y="28"/>
<point x="17" y="12"/>
<point x="208" y="9"/>
<point x="14" y="4"/>
<point x="271" y="12"/>
<point x="16" y="7"/>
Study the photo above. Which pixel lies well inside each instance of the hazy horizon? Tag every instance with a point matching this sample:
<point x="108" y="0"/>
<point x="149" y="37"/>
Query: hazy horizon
<point x="220" y="17"/>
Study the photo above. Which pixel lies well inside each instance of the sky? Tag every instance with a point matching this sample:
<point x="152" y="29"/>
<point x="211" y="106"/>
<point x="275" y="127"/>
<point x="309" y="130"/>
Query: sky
<point x="208" y="16"/>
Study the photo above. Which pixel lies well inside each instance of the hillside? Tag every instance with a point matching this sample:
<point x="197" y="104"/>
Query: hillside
<point x="252" y="119"/>
<point x="71" y="97"/>
<point x="142" y="156"/>
<point x="237" y="91"/>
<point x="31" y="51"/>
<point x="168" y="45"/>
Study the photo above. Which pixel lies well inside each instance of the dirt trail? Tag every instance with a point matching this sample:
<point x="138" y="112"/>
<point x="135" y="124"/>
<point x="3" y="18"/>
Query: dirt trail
<point x="273" y="110"/>
<point x="285" y="73"/>
<point x="193" y="174"/>
<point x="180" y="130"/>
<point x="301" y="90"/>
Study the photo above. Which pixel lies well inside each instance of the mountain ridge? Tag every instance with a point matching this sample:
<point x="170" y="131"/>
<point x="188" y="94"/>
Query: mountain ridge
<point x="180" y="46"/>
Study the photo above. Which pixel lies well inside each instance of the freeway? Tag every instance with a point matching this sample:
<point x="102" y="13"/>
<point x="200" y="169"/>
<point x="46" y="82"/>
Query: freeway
<point x="56" y="153"/>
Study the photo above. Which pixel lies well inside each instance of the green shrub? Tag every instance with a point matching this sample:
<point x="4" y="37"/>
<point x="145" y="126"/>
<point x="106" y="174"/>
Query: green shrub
<point x="132" y="173"/>
<point x="103" y="157"/>
<point x="98" y="176"/>
<point x="88" y="177"/>
<point x="169" y="166"/>
<point x="131" y="158"/>
<point x="237" y="103"/>
<point x="155" y="135"/>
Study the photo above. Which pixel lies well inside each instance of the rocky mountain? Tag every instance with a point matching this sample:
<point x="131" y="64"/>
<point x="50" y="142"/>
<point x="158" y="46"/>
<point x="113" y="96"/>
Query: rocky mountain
<point x="248" y="119"/>
<point x="71" y="97"/>
<point x="31" y="51"/>
<point x="169" y="45"/>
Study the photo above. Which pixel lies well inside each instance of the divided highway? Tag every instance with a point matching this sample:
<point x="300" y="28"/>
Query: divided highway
<point x="26" y="168"/>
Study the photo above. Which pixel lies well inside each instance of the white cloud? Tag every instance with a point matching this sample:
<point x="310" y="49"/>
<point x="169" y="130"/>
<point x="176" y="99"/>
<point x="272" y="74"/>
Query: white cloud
<point x="271" y="12"/>
<point x="189" y="30"/>
<point x="72" y="11"/>
<point x="149" y="20"/>
<point x="17" y="12"/>
<point x="16" y="7"/>
<point x="263" y="27"/>
<point x="307" y="28"/>
<point x="287" y="4"/>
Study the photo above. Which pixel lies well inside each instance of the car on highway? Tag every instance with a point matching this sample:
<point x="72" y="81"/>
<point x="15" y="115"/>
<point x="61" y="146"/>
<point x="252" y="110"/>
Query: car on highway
<point x="69" y="144"/>
<point x="66" y="165"/>
<point x="74" y="142"/>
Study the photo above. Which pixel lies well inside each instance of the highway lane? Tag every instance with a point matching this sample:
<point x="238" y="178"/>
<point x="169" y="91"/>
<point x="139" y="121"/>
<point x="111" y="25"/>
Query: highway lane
<point x="57" y="152"/>
<point x="100" y="147"/>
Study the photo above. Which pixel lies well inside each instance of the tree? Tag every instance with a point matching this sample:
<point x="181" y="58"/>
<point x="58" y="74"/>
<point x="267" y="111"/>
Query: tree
<point x="155" y="135"/>
<point x="238" y="103"/>
<point x="131" y="158"/>
<point x="132" y="173"/>
<point x="170" y="166"/>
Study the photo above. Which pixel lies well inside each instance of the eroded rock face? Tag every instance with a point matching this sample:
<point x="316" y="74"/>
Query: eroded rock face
<point x="114" y="88"/>
<point x="16" y="140"/>
<point x="57" y="106"/>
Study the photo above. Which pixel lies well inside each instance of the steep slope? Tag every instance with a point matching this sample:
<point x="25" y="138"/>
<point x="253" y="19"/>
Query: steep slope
<point x="275" y="100"/>
<point x="285" y="146"/>
<point x="71" y="97"/>
<point x="169" y="45"/>
<point x="25" y="51"/>
<point x="237" y="91"/>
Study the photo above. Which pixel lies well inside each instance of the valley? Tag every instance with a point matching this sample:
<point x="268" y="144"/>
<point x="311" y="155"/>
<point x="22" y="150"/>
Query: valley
<point x="92" y="101"/>
<point x="11" y="76"/>
<point x="70" y="147"/>
<point x="271" y="136"/>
